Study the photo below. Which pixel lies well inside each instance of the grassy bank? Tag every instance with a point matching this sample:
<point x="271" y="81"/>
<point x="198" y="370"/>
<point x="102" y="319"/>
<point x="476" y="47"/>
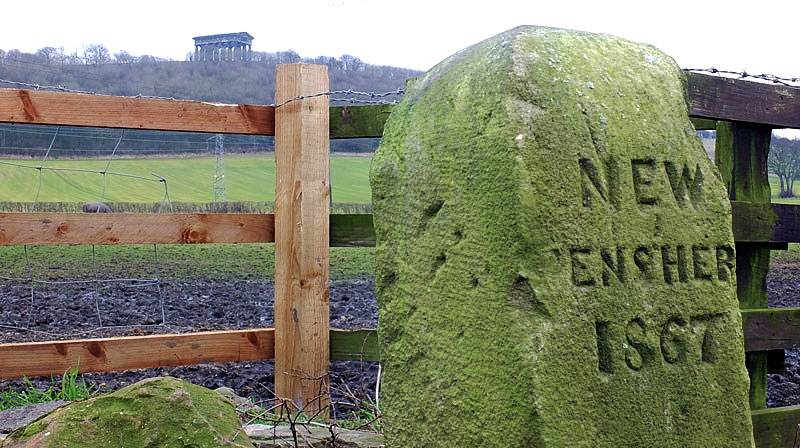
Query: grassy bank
<point x="248" y="177"/>
<point x="208" y="261"/>
<point x="250" y="181"/>
<point x="775" y="188"/>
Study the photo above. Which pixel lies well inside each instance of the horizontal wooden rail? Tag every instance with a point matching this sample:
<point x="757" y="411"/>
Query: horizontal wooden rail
<point x="704" y="124"/>
<point x="352" y="230"/>
<point x="77" y="109"/>
<point x="347" y="230"/>
<point x="710" y="98"/>
<point x="775" y="427"/>
<point x="134" y="228"/>
<point x="141" y="352"/>
<point x="730" y="99"/>
<point x="760" y="223"/>
<point x="358" y="121"/>
<point x="777" y="223"/>
<point x="764" y="329"/>
<point x="137" y="352"/>
<point x="355" y="345"/>
<point x="771" y="329"/>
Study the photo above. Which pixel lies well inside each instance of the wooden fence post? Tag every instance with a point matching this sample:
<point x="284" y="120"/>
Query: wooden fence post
<point x="741" y="154"/>
<point x="302" y="351"/>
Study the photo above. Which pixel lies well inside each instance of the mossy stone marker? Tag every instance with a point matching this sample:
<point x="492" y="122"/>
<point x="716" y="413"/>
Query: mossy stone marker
<point x="155" y="412"/>
<point x="555" y="262"/>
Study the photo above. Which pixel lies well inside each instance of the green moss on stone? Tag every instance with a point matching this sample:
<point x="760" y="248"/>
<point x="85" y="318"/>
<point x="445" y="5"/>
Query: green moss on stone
<point x="31" y="430"/>
<point x="152" y="413"/>
<point x="510" y="182"/>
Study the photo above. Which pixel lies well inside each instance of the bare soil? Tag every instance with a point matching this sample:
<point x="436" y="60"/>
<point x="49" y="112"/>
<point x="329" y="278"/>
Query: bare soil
<point x="196" y="305"/>
<point x="189" y="305"/>
<point x="783" y="287"/>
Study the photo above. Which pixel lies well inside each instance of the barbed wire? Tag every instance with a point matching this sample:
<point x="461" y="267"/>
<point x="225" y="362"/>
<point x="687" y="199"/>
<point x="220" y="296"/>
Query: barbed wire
<point x="398" y="91"/>
<point x="352" y="100"/>
<point x="765" y="77"/>
<point x="97" y="281"/>
<point x="96" y="293"/>
<point x="36" y="86"/>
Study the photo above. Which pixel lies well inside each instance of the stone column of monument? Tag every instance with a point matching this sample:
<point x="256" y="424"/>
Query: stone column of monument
<point x="555" y="265"/>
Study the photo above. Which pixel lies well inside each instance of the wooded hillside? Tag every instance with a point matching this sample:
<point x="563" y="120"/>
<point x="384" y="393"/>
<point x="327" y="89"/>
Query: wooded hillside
<point x="124" y="74"/>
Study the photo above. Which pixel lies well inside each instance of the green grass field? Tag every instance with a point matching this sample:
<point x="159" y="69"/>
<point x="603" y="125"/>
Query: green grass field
<point x="248" y="177"/>
<point x="775" y="188"/>
<point x="251" y="261"/>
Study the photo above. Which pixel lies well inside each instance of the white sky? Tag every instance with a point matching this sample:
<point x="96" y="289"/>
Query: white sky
<point x="413" y="33"/>
<point x="753" y="36"/>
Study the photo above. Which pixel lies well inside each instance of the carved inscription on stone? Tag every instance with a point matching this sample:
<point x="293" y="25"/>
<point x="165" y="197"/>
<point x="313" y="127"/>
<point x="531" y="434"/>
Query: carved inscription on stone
<point x="652" y="182"/>
<point x="665" y="264"/>
<point x="640" y="343"/>
<point x="637" y="344"/>
<point x="600" y="181"/>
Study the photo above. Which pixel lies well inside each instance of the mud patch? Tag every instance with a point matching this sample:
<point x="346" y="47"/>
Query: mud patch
<point x="189" y="305"/>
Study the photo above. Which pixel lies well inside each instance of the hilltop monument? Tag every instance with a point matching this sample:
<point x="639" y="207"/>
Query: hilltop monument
<point x="223" y="47"/>
<point x="555" y="264"/>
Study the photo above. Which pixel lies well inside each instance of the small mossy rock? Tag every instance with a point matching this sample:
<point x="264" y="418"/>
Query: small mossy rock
<point x="243" y="405"/>
<point x="554" y="259"/>
<point x="155" y="412"/>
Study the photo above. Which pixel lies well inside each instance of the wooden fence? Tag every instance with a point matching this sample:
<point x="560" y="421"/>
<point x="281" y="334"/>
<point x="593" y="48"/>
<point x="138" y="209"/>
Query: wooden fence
<point x="742" y="112"/>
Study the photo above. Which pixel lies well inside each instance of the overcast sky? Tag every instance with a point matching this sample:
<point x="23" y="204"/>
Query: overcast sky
<point x="758" y="37"/>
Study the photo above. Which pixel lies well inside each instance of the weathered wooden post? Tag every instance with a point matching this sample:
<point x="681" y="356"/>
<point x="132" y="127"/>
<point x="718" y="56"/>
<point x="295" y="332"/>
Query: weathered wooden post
<point x="741" y="155"/>
<point x="301" y="237"/>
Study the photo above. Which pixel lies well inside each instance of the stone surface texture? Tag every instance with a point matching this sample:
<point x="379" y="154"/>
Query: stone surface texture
<point x="307" y="436"/>
<point x="14" y="418"/>
<point x="555" y="262"/>
<point x="155" y="412"/>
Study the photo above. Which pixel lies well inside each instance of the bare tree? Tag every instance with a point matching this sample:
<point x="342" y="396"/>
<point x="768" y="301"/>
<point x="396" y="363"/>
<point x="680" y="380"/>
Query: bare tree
<point x="96" y="54"/>
<point x="351" y="63"/>
<point x="123" y="57"/>
<point x="784" y="162"/>
<point x="47" y="55"/>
